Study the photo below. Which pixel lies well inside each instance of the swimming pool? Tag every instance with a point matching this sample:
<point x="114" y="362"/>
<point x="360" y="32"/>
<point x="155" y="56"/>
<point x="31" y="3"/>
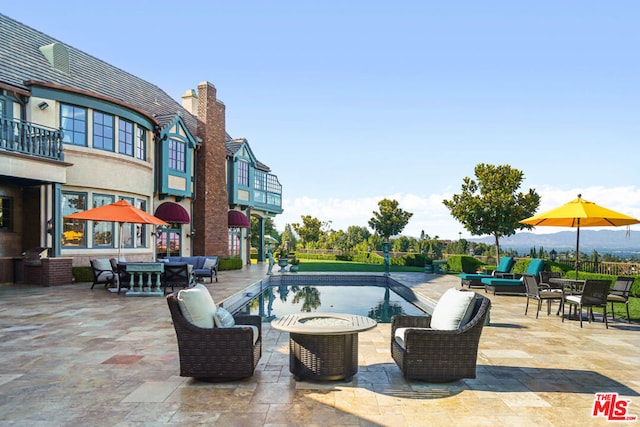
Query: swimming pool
<point x="370" y="297"/>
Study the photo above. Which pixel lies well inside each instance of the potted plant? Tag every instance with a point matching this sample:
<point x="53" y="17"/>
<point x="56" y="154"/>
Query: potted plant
<point x="283" y="261"/>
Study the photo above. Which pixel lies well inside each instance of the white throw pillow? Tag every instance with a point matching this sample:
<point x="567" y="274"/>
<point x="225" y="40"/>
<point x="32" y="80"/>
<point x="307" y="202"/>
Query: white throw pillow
<point x="453" y="310"/>
<point x="209" y="263"/>
<point x="223" y="318"/>
<point x="102" y="264"/>
<point x="197" y="306"/>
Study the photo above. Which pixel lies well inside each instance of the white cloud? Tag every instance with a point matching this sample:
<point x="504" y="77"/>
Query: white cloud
<point x="430" y="215"/>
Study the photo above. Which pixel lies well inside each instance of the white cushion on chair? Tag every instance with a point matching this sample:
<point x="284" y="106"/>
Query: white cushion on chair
<point x="197" y="306"/>
<point x="399" y="336"/>
<point x="453" y="310"/>
<point x="102" y="264"/>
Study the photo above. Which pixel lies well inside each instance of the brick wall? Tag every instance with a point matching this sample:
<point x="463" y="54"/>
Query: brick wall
<point x="212" y="202"/>
<point x="50" y="272"/>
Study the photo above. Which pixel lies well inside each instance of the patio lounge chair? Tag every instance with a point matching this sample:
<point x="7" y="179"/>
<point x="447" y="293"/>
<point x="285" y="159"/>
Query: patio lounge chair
<point x="439" y="355"/>
<point x="514" y="285"/>
<point x="475" y="280"/>
<point x="208" y="352"/>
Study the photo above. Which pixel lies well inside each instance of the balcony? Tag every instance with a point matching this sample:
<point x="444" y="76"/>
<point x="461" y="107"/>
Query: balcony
<point x="29" y="139"/>
<point x="265" y="194"/>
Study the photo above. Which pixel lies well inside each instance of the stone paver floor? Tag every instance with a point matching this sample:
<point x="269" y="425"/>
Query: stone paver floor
<point x="72" y="356"/>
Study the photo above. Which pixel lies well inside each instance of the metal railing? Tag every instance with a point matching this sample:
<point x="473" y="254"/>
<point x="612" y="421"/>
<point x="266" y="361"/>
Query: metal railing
<point x="605" y="267"/>
<point x="27" y="138"/>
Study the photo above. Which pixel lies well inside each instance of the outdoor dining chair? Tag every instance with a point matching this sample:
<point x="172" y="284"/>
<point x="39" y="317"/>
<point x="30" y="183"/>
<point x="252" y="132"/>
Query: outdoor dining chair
<point x="594" y="294"/>
<point x="620" y="294"/>
<point x="540" y="292"/>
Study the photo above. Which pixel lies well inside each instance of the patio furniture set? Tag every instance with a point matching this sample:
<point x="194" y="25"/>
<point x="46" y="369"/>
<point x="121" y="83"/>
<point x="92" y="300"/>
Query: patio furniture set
<point x="214" y="345"/>
<point x="541" y="285"/>
<point x="153" y="278"/>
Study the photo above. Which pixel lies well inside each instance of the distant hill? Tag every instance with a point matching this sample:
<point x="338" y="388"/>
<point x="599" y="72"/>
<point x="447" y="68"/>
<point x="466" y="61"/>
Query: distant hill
<point x="603" y="241"/>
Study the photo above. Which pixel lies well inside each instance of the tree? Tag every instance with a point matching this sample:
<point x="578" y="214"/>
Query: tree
<point x="491" y="205"/>
<point x="390" y="220"/>
<point x="309" y="231"/>
<point x="269" y="230"/>
<point x="355" y="235"/>
<point x="289" y="236"/>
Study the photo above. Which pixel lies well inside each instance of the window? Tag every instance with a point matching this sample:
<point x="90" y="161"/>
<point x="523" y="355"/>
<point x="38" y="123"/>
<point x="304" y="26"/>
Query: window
<point x="103" y="131"/>
<point x="102" y="230"/>
<point x="141" y="229"/>
<point x="73" y="230"/>
<point x="243" y="173"/>
<point x="125" y="137"/>
<point x="168" y="243"/>
<point x="73" y="121"/>
<point x="141" y="143"/>
<point x="127" y="228"/>
<point x="176" y="155"/>
<point x="6" y="214"/>
<point x="234" y="242"/>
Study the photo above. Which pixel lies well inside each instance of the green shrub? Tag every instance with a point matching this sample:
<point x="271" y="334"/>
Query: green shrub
<point x="82" y="274"/>
<point x="368" y="258"/>
<point x="463" y="264"/>
<point x="230" y="264"/>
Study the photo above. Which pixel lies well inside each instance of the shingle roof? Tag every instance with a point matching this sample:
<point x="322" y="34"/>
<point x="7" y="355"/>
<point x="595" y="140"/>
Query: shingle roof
<point x="233" y="145"/>
<point x="21" y="60"/>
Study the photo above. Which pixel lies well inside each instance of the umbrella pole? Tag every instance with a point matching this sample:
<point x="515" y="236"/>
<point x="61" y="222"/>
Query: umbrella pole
<point x="578" y="250"/>
<point x="120" y="244"/>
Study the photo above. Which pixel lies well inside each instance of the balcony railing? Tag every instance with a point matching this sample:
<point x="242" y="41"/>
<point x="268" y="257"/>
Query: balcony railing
<point x="27" y="138"/>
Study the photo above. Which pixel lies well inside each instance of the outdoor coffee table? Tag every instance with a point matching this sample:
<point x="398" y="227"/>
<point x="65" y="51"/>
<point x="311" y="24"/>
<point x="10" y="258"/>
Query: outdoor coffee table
<point x="323" y="346"/>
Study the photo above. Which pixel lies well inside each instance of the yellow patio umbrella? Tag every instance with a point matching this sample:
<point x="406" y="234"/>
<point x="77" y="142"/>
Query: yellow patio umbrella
<point x="580" y="213"/>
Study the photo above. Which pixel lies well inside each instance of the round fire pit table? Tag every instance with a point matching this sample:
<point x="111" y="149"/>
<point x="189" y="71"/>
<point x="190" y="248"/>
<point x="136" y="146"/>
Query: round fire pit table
<point x="323" y="346"/>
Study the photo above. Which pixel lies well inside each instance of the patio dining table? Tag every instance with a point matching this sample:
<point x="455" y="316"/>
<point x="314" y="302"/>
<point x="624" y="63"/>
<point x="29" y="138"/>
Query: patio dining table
<point x="570" y="286"/>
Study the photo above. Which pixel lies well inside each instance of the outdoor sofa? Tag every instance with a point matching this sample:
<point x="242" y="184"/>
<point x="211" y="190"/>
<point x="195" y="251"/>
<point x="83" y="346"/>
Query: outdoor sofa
<point x="203" y="266"/>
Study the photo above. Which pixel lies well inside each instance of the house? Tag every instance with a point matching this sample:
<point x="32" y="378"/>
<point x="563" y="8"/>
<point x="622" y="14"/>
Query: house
<point x="77" y="132"/>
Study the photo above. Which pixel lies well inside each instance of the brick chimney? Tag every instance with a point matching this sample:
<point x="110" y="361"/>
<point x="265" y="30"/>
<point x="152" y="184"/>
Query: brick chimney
<point x="212" y="202"/>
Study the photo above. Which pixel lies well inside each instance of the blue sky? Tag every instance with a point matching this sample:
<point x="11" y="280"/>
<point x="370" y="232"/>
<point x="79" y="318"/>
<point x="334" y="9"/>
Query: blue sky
<point x="350" y="102"/>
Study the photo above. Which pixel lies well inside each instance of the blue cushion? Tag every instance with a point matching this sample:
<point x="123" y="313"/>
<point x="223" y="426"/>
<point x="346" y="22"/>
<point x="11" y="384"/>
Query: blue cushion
<point x="496" y="281"/>
<point x="506" y="264"/>
<point x="535" y="267"/>
<point x="472" y="276"/>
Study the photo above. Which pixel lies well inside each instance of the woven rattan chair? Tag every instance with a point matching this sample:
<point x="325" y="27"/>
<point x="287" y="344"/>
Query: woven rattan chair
<point x="439" y="355"/>
<point x="620" y="294"/>
<point x="594" y="294"/>
<point x="540" y="292"/>
<point x="216" y="353"/>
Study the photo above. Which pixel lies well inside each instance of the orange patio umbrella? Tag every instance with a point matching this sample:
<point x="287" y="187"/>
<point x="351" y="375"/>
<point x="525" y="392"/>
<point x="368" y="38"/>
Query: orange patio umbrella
<point x="580" y="213"/>
<point x="120" y="212"/>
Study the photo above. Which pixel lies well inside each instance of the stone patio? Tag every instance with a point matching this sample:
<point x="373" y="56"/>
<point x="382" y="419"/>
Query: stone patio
<point x="72" y="356"/>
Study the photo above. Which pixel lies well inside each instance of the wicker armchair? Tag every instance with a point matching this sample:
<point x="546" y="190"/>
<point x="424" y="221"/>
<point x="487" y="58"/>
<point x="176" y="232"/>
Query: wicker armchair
<point x="216" y="353"/>
<point x="439" y="355"/>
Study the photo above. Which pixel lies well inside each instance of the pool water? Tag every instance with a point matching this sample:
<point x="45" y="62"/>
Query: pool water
<point x="376" y="302"/>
